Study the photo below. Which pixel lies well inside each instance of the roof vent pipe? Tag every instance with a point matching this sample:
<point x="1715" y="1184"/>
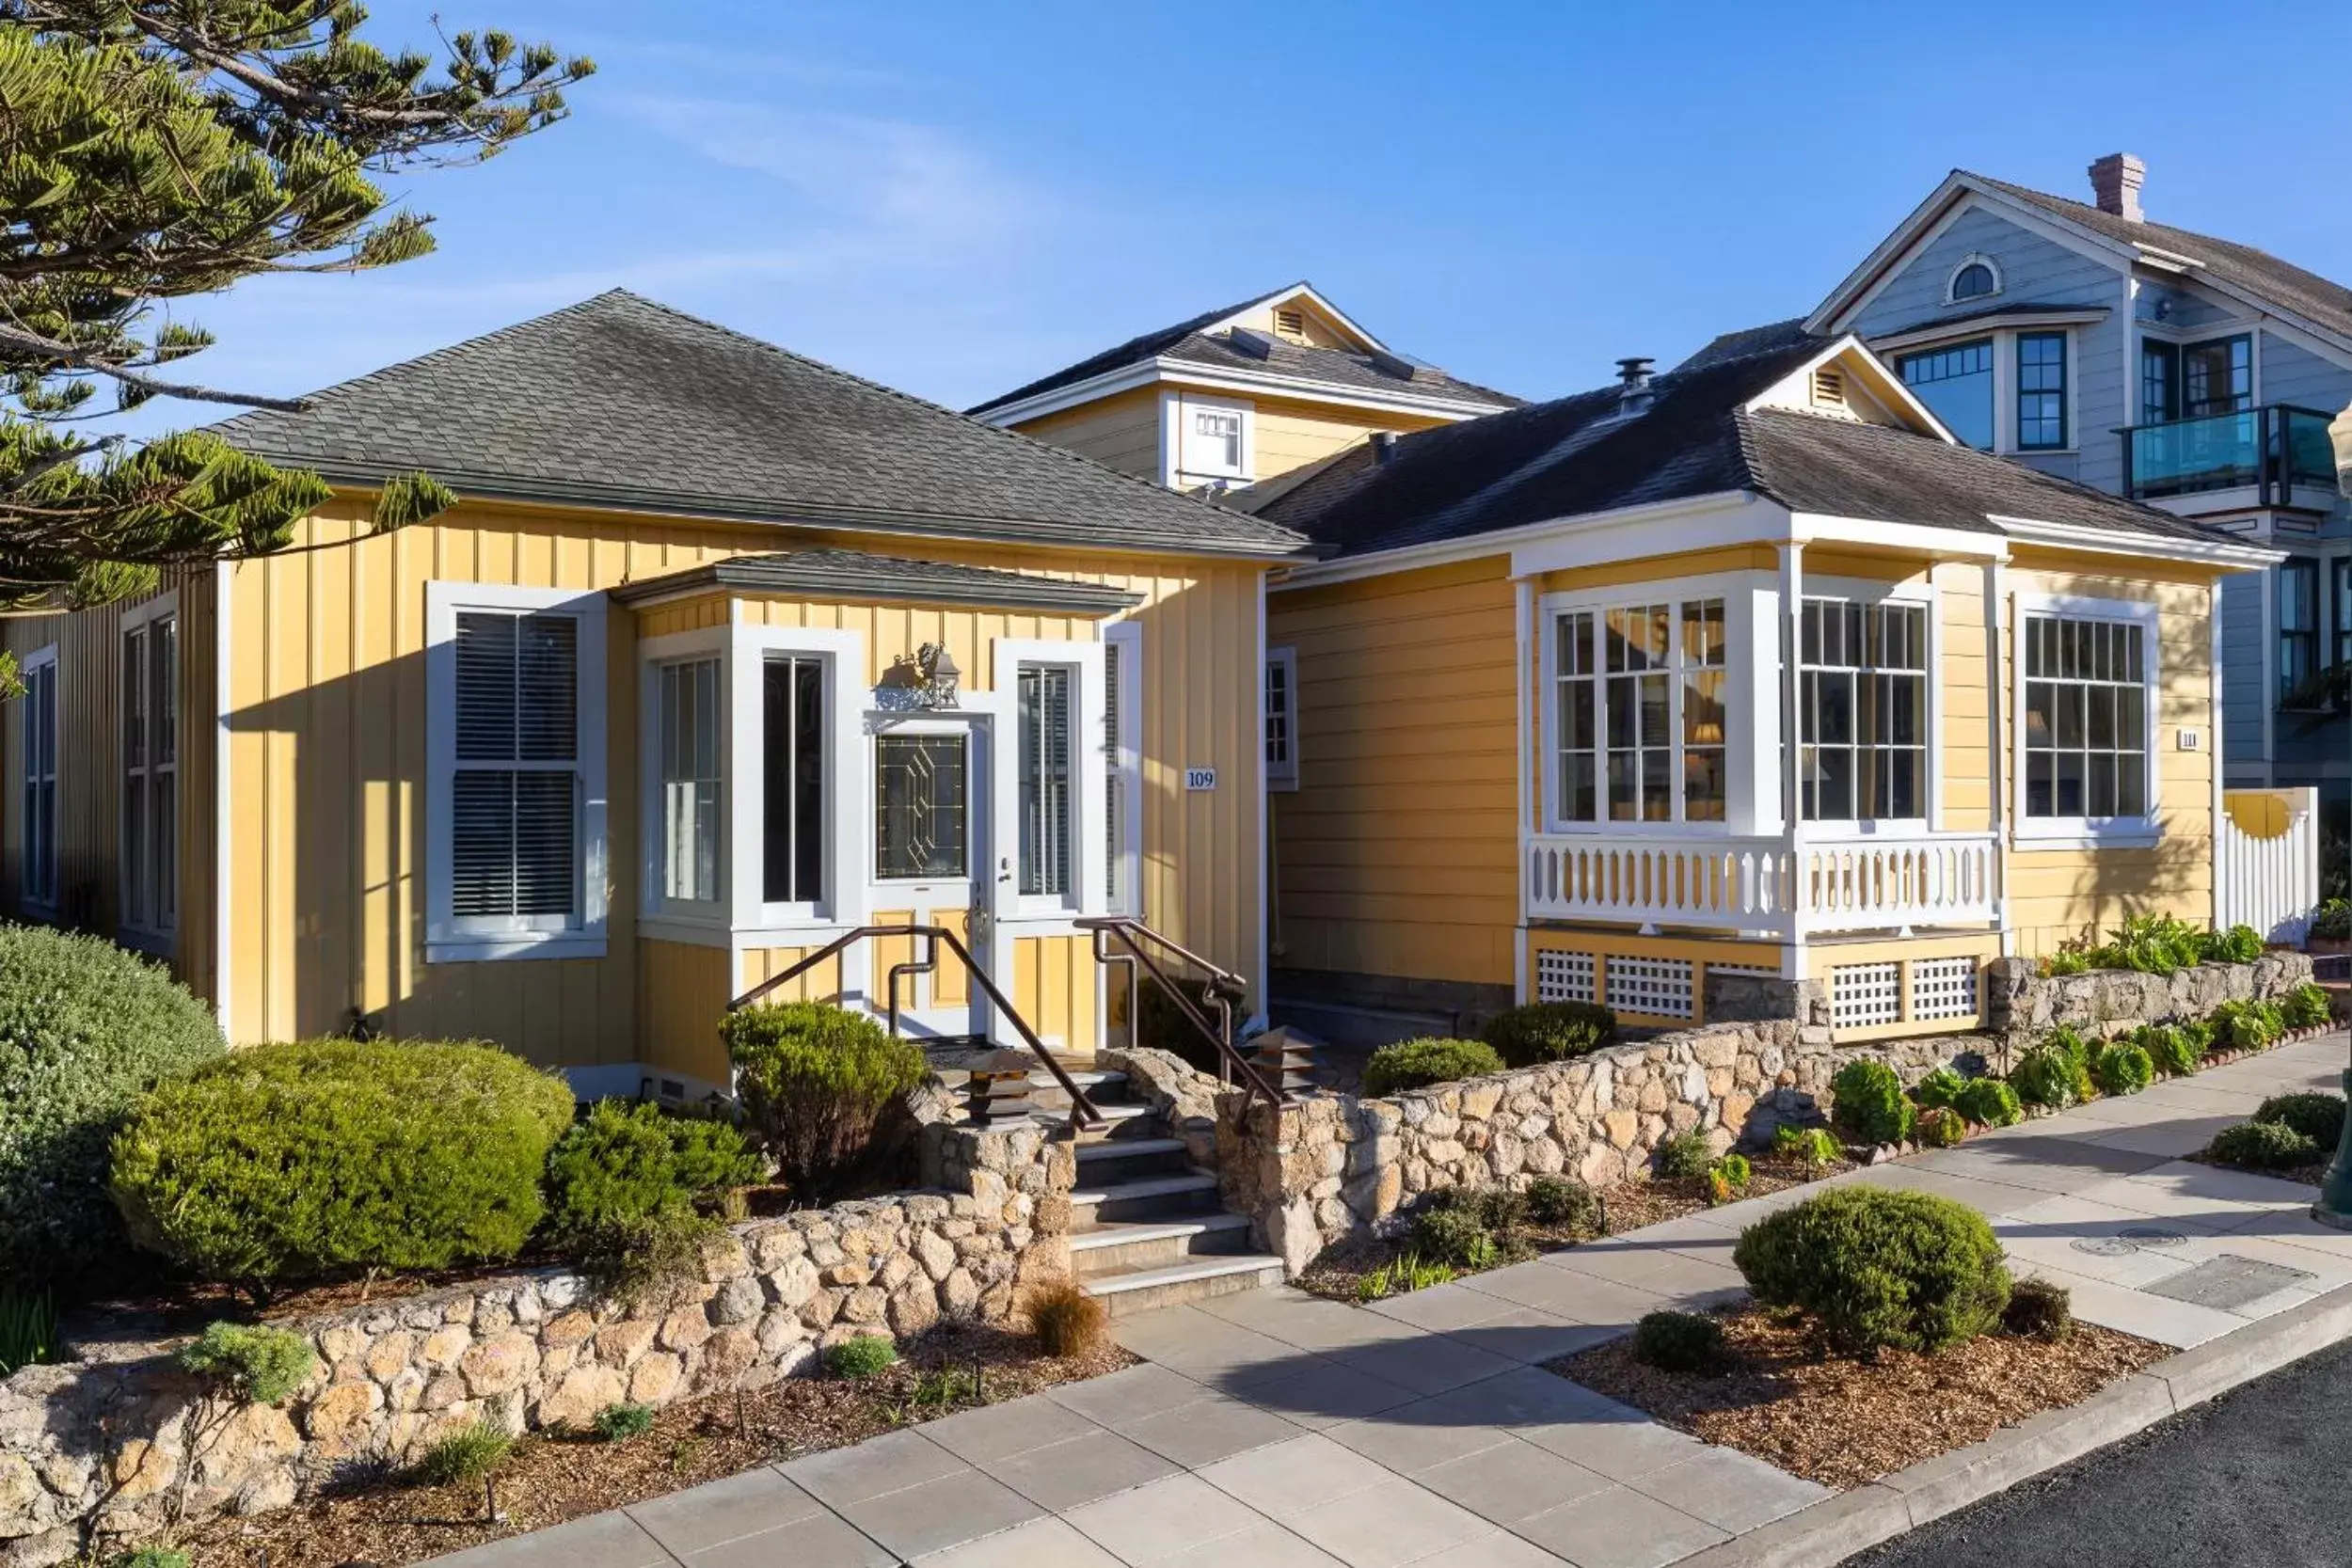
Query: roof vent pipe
<point x="1383" y="445"/>
<point x="1633" y="394"/>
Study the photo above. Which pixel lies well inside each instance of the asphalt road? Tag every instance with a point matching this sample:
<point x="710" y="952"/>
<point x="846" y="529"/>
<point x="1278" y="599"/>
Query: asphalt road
<point x="2254" y="1479"/>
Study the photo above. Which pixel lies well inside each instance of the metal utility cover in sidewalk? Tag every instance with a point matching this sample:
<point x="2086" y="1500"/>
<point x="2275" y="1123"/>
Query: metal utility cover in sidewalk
<point x="2229" y="1282"/>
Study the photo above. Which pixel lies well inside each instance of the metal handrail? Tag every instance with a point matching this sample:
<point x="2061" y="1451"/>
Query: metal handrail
<point x="1082" y="1110"/>
<point x="1219" y="989"/>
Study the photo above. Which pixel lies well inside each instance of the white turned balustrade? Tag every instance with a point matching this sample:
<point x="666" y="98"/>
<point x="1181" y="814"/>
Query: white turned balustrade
<point x="1767" y="885"/>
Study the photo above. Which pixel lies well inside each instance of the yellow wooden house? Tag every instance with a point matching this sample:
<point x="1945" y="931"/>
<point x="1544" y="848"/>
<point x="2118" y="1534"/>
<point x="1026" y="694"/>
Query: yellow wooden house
<point x="724" y="654"/>
<point x="1746" y="672"/>
<point x="1239" y="396"/>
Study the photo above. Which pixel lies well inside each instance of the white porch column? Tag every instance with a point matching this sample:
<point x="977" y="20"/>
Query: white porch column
<point x="1792" y="726"/>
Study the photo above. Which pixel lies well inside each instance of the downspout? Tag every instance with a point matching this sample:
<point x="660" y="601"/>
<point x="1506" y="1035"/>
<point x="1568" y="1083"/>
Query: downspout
<point x="1791" y="737"/>
<point x="2212" y="758"/>
<point x="1997" y="812"/>
<point x="1527" y="771"/>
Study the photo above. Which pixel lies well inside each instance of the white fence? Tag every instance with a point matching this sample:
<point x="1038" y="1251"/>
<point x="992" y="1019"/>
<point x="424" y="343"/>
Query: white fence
<point x="2265" y="862"/>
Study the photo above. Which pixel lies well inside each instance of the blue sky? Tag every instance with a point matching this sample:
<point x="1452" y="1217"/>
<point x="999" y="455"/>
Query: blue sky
<point x="954" y="198"/>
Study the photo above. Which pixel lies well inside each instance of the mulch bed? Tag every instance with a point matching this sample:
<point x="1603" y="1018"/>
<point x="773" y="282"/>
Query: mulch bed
<point x="548" y="1479"/>
<point x="1627" y="1207"/>
<point x="1844" y="1422"/>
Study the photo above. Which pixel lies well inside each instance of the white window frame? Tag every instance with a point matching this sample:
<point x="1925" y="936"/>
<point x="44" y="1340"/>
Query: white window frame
<point x="1124" y="878"/>
<point x="1085" y="894"/>
<point x="656" y="654"/>
<point x="41" y="900"/>
<point x="1750" y="642"/>
<point x="1863" y="591"/>
<point x="1177" y="410"/>
<point x="2086" y="832"/>
<point x="1974" y="259"/>
<point x="982" y="786"/>
<point x="1282" y="772"/>
<point x="154" y="935"/>
<point x="447" y="938"/>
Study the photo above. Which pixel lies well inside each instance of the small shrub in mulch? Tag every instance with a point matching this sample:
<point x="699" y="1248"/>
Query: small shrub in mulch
<point x="2269" y="1147"/>
<point x="860" y="1356"/>
<point x="1679" y="1342"/>
<point x="1685" y="1155"/>
<point x="1456" y="1237"/>
<point x="1812" y="1146"/>
<point x="1537" y="1032"/>
<point x="2317" y="1117"/>
<point x="1939" y="1127"/>
<point x="1869" y="1106"/>
<point x="1876" y="1269"/>
<point x="1561" y="1200"/>
<point x="2039" y="1310"/>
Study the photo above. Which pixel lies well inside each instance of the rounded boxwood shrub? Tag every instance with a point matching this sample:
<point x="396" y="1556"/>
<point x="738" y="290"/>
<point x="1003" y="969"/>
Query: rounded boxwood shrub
<point x="2039" y="1310"/>
<point x="1563" y="1200"/>
<point x="1679" y="1342"/>
<point x="816" y="1083"/>
<point x="325" y="1158"/>
<point x="2122" y="1067"/>
<point x="1876" y="1268"/>
<point x="1417" y="1064"/>
<point x="628" y="1160"/>
<point x="2317" y="1117"/>
<point x="1549" y="1031"/>
<point x="2263" y="1146"/>
<point x="1868" y="1103"/>
<point x="86" y="1029"/>
<point x="1990" y="1102"/>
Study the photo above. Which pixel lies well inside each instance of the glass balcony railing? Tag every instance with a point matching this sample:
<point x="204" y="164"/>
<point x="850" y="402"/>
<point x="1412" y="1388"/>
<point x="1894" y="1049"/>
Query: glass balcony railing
<point x="2273" y="449"/>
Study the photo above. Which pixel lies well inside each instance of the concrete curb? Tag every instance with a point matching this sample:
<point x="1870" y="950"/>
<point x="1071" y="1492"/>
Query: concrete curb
<point x="1828" y="1532"/>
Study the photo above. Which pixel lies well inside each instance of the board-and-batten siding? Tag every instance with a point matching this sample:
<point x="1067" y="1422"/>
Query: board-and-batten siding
<point x="327" y="754"/>
<point x="1396" y="854"/>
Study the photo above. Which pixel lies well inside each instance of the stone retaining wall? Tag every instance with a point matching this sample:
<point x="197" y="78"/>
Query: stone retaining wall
<point x="98" y="1451"/>
<point x="1334" y="1166"/>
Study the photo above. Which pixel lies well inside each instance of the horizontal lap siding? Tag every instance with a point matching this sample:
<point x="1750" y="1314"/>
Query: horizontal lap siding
<point x="1396" y="855"/>
<point x="1121" y="431"/>
<point x="1291" y="435"/>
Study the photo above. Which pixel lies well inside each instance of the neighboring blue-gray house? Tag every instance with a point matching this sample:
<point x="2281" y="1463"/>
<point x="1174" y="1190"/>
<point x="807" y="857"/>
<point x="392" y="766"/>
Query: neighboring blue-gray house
<point x="2188" y="371"/>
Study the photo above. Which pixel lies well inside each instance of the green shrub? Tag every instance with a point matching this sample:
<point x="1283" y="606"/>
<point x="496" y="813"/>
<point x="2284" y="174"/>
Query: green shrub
<point x="1687" y="1155"/>
<point x="2173" y="1048"/>
<point x="2153" y="945"/>
<point x="1679" y="1342"/>
<point x="1549" y="1032"/>
<point x="1563" y="1200"/>
<point x="28" y="1328"/>
<point x="1941" y="1086"/>
<point x="625" y="1160"/>
<point x="861" y="1355"/>
<point x="2317" y="1117"/>
<point x="1874" y="1267"/>
<point x="1939" y="1127"/>
<point x="2039" y="1310"/>
<point x="2199" y="1033"/>
<point x="2244" y="1025"/>
<point x="2333" y="923"/>
<point x="618" y="1423"/>
<point x="631" y="1257"/>
<point x="2239" y="944"/>
<point x="1728" y="1176"/>
<point x="2307" y="1007"/>
<point x="249" y="1362"/>
<point x="1811" y="1146"/>
<point x="1990" y="1102"/>
<point x="157" y="1557"/>
<point x="86" y="1029"/>
<point x="1408" y="1271"/>
<point x="1416" y="1064"/>
<point x="2052" y="1076"/>
<point x="816" y="1083"/>
<point x="2263" y="1146"/>
<point x="464" y="1456"/>
<point x="2066" y="961"/>
<point x="1867" y="1105"/>
<point x="1454" y="1236"/>
<point x="1498" y="1208"/>
<point x="2122" y="1067"/>
<point x="306" y="1161"/>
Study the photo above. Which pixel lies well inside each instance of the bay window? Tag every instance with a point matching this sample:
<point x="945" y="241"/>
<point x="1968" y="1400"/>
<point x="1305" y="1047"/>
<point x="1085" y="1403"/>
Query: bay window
<point x="1862" y="697"/>
<point x="1638" y="712"/>
<point x="2086" y="714"/>
<point x="690" y="716"/>
<point x="1956" y="384"/>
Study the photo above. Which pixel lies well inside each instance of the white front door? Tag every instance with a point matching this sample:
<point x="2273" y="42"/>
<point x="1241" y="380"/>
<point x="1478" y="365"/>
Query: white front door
<point x="934" y="860"/>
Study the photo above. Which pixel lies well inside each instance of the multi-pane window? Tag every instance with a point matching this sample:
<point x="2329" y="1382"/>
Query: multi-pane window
<point x="2159" y="381"/>
<point x="2085" y="718"/>
<point x="1862" y="696"/>
<point x="150" y="775"/>
<point x="1973" y="281"/>
<point x="1639" y="720"/>
<point x="2340" y="609"/>
<point x="1215" y="441"/>
<point x="792" y="804"/>
<point x="1281" y="717"/>
<point x="921" y="789"/>
<point x="38" y="705"/>
<point x="1956" y="384"/>
<point x="2299" y="623"/>
<point x="688" y="696"/>
<point x="1047" y="784"/>
<point x="515" y="793"/>
<point x="2218" y="378"/>
<point x="2041" y="391"/>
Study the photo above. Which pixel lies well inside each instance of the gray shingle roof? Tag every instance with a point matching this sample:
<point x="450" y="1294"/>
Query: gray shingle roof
<point x="857" y="575"/>
<point x="619" y="402"/>
<point x="1577" y="455"/>
<point x="1747" y="341"/>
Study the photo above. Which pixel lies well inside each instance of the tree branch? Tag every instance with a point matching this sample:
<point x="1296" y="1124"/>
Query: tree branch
<point x="67" y="357"/>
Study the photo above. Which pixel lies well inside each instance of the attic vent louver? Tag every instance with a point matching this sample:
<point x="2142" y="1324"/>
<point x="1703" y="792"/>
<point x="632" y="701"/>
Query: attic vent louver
<point x="1291" y="322"/>
<point x="1829" y="388"/>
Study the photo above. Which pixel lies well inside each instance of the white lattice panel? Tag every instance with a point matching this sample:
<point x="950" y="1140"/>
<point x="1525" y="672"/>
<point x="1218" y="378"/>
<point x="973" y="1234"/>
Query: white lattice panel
<point x="1658" y="987"/>
<point x="1944" y="988"/>
<point x="1563" y="976"/>
<point x="1863" y="994"/>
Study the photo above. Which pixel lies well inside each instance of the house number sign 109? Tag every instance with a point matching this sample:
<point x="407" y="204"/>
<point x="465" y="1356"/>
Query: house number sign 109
<point x="1199" y="778"/>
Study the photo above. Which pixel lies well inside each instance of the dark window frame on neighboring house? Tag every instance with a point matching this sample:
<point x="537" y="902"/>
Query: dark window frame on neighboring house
<point x="1950" y="363"/>
<point x="2299" y="623"/>
<point x="2041" y="424"/>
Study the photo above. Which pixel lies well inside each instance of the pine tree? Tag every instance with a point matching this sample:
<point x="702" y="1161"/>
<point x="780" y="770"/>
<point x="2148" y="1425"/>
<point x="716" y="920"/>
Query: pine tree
<point x="156" y="149"/>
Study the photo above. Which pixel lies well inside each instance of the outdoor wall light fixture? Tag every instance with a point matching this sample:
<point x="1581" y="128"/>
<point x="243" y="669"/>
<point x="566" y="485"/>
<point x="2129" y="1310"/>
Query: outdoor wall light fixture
<point x="939" y="674"/>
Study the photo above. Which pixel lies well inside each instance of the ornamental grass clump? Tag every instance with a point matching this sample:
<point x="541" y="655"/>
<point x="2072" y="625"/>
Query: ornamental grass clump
<point x="1868" y="1105"/>
<point x="1990" y="1102"/>
<point x="464" y="1456"/>
<point x="1067" y="1321"/>
<point x="818" y="1085"/>
<point x="326" y="1159"/>
<point x="860" y="1356"/>
<point x="1417" y="1064"/>
<point x="1874" y="1268"/>
<point x="1538" y="1032"/>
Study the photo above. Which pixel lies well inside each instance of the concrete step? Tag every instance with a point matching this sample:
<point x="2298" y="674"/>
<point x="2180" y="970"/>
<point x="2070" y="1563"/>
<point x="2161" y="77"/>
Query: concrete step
<point x="1120" y="1121"/>
<point x="1149" y="1197"/>
<point x="1197" y="1280"/>
<point x="1148" y="1245"/>
<point x="1109" y="1160"/>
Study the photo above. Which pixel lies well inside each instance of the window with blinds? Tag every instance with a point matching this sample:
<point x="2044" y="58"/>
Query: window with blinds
<point x="689" y="697"/>
<point x="38" y="705"/>
<point x="150" y="775"/>
<point x="515" y="792"/>
<point x="1047" y="807"/>
<point x="1115" y="826"/>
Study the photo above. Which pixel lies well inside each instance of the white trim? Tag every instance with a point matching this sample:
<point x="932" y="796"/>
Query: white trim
<point x="1127" y="748"/>
<point x="1177" y="412"/>
<point x="1263" y="978"/>
<point x="1919" y="590"/>
<point x="1530" y="779"/>
<point x="42" y="658"/>
<point x="1997" y="812"/>
<point x="2029" y="833"/>
<point x="849" y="782"/>
<point x="2267" y="693"/>
<point x="224" y="829"/>
<point x="447" y="938"/>
<point x="1930" y="334"/>
<point x="653" y="654"/>
<point x="1085" y="894"/>
<point x="1180" y="374"/>
<point x="1480" y="547"/>
<point x="1284" y="775"/>
<point x="155" y="936"/>
<point x="1945" y="544"/>
<point x="1886" y="384"/>
<point x="2228" y="556"/>
<point x="1974" y="259"/>
<point x="1598" y="539"/>
<point x="2213" y="752"/>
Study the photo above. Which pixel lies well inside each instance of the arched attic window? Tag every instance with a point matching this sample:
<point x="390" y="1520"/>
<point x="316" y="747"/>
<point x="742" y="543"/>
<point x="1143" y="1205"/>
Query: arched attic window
<point x="1976" y="277"/>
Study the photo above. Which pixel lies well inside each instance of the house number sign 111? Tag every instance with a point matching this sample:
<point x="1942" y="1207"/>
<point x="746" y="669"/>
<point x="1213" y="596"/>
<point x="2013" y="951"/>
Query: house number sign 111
<point x="1199" y="778"/>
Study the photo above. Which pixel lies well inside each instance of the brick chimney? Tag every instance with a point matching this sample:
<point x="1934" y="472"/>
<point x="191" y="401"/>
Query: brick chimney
<point x="2114" y="186"/>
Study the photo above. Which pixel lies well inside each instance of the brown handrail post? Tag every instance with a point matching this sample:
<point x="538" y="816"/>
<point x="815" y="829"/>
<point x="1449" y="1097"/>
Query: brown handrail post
<point x="1124" y="930"/>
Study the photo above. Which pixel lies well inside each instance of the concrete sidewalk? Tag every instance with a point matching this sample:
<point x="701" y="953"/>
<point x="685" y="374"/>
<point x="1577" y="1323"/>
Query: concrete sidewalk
<point x="1272" y="1429"/>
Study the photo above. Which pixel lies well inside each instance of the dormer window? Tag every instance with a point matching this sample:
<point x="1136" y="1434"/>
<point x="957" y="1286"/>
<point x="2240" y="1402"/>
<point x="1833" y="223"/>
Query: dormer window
<point x="1976" y="277"/>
